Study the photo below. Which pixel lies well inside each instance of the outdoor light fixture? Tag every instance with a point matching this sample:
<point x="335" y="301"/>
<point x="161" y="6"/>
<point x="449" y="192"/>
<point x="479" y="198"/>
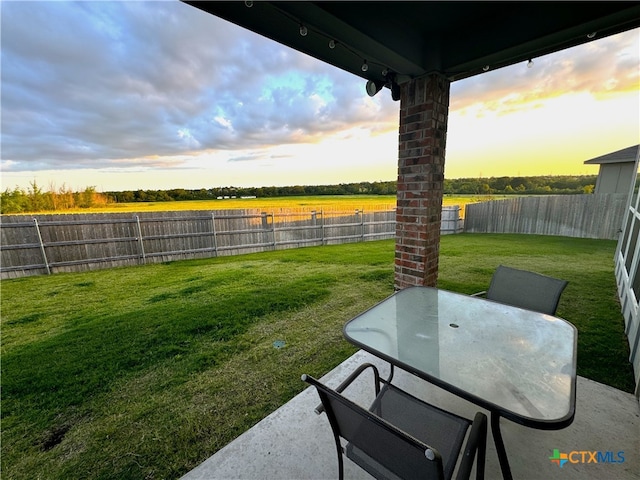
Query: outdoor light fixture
<point x="395" y="91"/>
<point x="248" y="3"/>
<point x="374" y="87"/>
<point x="485" y="68"/>
<point x="332" y="44"/>
<point x="530" y="63"/>
<point x="365" y="67"/>
<point x="303" y="31"/>
<point x="591" y="35"/>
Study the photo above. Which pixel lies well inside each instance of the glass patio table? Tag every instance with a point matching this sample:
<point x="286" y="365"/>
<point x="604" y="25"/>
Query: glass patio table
<point x="516" y="363"/>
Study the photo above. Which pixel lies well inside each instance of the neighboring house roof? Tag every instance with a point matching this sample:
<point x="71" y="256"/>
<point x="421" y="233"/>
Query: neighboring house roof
<point x="628" y="154"/>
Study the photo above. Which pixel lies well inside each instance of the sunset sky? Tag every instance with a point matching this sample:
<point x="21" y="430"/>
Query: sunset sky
<point x="158" y="95"/>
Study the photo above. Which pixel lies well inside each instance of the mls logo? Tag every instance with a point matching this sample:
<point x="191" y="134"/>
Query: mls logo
<point x="586" y="456"/>
<point x="559" y="458"/>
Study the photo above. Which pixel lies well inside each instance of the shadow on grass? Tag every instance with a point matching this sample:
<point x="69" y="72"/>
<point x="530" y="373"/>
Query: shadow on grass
<point x="65" y="369"/>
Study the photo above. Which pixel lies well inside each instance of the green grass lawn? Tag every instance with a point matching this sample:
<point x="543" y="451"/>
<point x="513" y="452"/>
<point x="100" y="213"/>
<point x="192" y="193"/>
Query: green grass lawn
<point x="144" y="372"/>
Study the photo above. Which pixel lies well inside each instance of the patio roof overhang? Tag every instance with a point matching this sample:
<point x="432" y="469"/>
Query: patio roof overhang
<point x="457" y="39"/>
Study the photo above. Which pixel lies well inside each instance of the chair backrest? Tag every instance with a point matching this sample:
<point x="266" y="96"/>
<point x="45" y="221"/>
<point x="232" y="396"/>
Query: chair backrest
<point x="525" y="289"/>
<point x="394" y="450"/>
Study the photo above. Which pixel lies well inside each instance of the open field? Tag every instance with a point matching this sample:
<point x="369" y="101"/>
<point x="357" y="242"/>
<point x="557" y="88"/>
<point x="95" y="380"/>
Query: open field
<point x="144" y="372"/>
<point x="328" y="202"/>
<point x="304" y="203"/>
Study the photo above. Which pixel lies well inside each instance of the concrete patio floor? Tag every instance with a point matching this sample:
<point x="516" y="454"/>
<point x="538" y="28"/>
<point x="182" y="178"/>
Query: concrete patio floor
<point x="295" y="443"/>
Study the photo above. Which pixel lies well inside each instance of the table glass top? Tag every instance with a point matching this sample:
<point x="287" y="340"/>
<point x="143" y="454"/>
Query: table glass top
<point x="521" y="361"/>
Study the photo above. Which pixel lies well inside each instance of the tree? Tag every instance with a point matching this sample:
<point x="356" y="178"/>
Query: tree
<point x="37" y="198"/>
<point x="485" y="189"/>
<point x="86" y="197"/>
<point x="13" y="201"/>
<point x="65" y="199"/>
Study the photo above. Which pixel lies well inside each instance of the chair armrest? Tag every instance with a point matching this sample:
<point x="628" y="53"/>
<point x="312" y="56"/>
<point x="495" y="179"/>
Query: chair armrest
<point x="349" y="380"/>
<point x="477" y="442"/>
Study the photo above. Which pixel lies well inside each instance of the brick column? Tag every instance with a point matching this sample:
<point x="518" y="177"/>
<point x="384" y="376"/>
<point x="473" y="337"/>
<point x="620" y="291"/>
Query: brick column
<point x="424" y="111"/>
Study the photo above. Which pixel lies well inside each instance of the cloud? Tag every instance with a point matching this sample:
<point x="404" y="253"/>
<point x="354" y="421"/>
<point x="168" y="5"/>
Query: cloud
<point x="123" y="84"/>
<point x="88" y="84"/>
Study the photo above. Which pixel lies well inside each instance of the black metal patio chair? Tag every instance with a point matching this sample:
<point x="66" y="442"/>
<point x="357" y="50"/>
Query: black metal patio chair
<point x="525" y="289"/>
<point x="401" y="436"/>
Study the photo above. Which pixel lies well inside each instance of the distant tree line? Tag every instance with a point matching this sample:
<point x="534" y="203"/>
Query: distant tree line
<point x="34" y="199"/>
<point x="178" y="194"/>
<point x="542" y="185"/>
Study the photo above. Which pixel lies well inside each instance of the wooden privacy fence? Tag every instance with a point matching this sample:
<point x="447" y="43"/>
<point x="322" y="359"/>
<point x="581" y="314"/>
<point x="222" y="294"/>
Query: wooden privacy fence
<point x="582" y="216"/>
<point x="45" y="244"/>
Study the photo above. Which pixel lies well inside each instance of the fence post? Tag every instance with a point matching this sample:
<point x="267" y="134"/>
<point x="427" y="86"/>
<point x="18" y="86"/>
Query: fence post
<point x="144" y="258"/>
<point x="459" y="221"/>
<point x="322" y="227"/>
<point x="264" y="234"/>
<point x="44" y="254"/>
<point x="361" y="212"/>
<point x="314" y="223"/>
<point x="213" y="233"/>
<point x="273" y="227"/>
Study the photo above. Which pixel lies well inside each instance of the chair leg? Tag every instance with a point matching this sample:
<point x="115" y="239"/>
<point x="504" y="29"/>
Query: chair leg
<point x="475" y="449"/>
<point x="340" y="465"/>
<point x="482" y="453"/>
<point x="502" y="453"/>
